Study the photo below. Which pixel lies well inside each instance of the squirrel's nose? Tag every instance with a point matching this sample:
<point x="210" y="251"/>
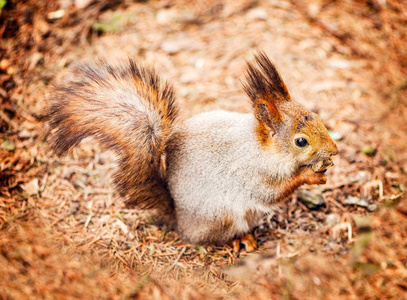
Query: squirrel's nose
<point x="334" y="150"/>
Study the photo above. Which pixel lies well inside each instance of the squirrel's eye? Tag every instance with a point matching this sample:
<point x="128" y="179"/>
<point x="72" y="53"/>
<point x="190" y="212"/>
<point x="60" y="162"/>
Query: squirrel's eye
<point x="301" y="142"/>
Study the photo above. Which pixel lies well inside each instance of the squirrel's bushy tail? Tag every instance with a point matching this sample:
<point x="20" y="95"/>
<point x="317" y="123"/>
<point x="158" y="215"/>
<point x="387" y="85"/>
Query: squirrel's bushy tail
<point x="127" y="109"/>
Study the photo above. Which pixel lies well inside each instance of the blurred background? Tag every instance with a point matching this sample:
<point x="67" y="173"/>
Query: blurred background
<point x="64" y="233"/>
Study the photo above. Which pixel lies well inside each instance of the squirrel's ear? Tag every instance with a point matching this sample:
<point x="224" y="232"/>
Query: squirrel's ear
<point x="267" y="113"/>
<point x="266" y="89"/>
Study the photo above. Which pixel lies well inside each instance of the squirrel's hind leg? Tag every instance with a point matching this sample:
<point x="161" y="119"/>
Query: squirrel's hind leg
<point x="203" y="230"/>
<point x="247" y="241"/>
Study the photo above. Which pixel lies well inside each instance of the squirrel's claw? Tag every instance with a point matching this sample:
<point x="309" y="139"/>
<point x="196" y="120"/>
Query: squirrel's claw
<point x="310" y="177"/>
<point x="235" y="245"/>
<point x="247" y="241"/>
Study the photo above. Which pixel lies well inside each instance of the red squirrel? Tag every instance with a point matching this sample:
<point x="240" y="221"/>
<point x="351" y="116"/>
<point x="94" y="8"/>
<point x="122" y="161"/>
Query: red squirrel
<point x="212" y="177"/>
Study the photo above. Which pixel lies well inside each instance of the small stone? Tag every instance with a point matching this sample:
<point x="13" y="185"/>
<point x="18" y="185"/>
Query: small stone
<point x="31" y="187"/>
<point x="56" y="14"/>
<point x="4" y="64"/>
<point x="351" y="200"/>
<point x="313" y="10"/>
<point x="391" y="175"/>
<point x="332" y="245"/>
<point x="339" y="64"/>
<point x="199" y="63"/>
<point x="82" y="3"/>
<point x="328" y="86"/>
<point x="258" y="14"/>
<point x="25" y="134"/>
<point x="11" y="70"/>
<point x="188" y="77"/>
<point x="166" y="16"/>
<point x="351" y="157"/>
<point x="173" y="46"/>
<point x="316" y="280"/>
<point x="335" y="135"/>
<point x="80" y="182"/>
<point x="372" y="207"/>
<point x="67" y="172"/>
<point x="362" y="221"/>
<point x="280" y="218"/>
<point x="310" y="199"/>
<point x="332" y="219"/>
<point x="363" y="177"/>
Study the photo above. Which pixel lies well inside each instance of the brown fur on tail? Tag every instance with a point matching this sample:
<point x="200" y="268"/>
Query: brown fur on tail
<point x="127" y="109"/>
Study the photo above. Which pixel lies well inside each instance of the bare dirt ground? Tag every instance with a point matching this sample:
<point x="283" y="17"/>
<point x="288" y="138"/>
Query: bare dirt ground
<point x="64" y="233"/>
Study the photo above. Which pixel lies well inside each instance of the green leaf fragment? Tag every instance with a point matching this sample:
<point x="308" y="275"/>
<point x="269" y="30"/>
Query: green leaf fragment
<point x="152" y="249"/>
<point x="2" y="4"/>
<point x="7" y="144"/>
<point x="369" y="150"/>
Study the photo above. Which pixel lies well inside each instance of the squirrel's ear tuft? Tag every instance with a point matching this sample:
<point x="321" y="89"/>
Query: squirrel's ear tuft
<point x="266" y="89"/>
<point x="264" y="82"/>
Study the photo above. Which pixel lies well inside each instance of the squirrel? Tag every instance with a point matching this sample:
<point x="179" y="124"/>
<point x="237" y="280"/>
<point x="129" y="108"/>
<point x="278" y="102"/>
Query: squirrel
<point x="214" y="176"/>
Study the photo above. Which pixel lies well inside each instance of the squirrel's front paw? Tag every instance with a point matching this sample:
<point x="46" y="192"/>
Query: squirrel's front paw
<point x="310" y="177"/>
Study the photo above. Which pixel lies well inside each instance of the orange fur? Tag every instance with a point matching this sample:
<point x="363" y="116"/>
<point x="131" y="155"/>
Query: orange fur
<point x="130" y="111"/>
<point x="267" y="91"/>
<point x="304" y="176"/>
<point x="278" y="115"/>
<point x="127" y="109"/>
<point x="263" y="134"/>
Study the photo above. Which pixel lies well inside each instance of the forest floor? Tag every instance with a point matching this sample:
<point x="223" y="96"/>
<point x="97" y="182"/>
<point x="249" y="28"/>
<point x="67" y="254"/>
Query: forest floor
<point x="65" y="233"/>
